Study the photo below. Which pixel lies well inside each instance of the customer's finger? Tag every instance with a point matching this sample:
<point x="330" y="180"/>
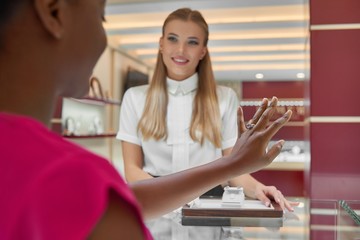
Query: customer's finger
<point x="276" y="125"/>
<point x="266" y="115"/>
<point x="260" y="111"/>
<point x="240" y="121"/>
<point x="274" y="151"/>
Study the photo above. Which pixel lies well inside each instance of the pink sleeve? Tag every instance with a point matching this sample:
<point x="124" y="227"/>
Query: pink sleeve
<point x="70" y="197"/>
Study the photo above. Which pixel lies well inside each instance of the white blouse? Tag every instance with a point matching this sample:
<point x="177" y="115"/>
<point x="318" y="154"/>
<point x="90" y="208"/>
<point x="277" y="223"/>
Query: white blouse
<point x="178" y="151"/>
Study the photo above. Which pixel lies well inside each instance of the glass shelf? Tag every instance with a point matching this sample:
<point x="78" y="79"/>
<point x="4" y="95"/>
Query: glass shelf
<point x="352" y="208"/>
<point x="312" y="219"/>
<point x="96" y="101"/>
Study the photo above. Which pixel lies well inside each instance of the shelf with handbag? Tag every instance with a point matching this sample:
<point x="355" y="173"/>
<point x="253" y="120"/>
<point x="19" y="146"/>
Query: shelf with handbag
<point x="87" y="117"/>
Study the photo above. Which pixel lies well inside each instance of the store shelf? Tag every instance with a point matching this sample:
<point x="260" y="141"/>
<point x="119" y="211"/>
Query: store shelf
<point x="105" y="135"/>
<point x="286" y="166"/>
<point x="96" y="101"/>
<point x="82" y="118"/>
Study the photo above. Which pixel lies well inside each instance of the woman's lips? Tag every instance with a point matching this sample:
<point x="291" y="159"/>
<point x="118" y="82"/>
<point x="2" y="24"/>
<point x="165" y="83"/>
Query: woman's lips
<point x="180" y="61"/>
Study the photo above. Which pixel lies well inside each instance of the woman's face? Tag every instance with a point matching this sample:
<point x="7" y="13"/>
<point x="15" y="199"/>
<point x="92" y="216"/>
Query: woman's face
<point x="182" y="47"/>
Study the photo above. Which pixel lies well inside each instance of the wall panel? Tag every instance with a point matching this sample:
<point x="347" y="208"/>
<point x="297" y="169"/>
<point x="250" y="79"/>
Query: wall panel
<point x="334" y="100"/>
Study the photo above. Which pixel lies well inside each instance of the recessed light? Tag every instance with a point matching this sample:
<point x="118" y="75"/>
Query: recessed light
<point x="300" y="75"/>
<point x="259" y="76"/>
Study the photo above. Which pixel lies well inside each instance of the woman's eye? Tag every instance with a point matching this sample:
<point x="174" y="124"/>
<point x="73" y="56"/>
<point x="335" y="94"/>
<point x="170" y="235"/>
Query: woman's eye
<point x="172" y="38"/>
<point x="193" y="42"/>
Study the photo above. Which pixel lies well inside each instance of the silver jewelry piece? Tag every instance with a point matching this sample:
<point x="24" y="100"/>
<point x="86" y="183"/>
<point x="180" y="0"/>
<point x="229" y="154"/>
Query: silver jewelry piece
<point x="249" y="126"/>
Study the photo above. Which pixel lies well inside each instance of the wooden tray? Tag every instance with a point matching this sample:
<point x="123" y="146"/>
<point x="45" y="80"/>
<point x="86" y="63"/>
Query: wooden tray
<point x="232" y="221"/>
<point x="250" y="208"/>
<point x="210" y="212"/>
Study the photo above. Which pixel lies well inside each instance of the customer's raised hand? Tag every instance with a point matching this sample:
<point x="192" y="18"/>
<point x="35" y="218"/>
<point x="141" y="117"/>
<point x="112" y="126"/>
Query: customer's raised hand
<point x="249" y="152"/>
<point x="242" y="127"/>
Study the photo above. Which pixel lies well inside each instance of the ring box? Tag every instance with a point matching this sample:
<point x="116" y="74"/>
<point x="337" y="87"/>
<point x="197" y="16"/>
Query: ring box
<point x="233" y="197"/>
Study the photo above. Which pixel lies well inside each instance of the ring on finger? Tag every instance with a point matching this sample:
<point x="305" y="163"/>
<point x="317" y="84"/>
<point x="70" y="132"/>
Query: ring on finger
<point x="249" y="126"/>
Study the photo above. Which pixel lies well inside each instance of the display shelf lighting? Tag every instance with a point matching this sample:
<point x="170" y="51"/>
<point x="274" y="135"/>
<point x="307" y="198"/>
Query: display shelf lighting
<point x="296" y="103"/>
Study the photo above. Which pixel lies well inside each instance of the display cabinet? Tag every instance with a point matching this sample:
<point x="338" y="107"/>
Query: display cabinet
<point x="86" y="117"/>
<point x="90" y="122"/>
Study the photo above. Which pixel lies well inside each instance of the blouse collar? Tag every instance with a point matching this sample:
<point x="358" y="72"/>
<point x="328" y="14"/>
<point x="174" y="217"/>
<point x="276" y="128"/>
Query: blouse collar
<point x="182" y="87"/>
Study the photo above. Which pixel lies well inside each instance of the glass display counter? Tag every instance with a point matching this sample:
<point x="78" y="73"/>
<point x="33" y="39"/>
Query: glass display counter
<point x="312" y="219"/>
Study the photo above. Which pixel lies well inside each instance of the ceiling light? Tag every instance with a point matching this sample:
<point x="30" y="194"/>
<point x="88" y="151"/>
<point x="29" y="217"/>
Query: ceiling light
<point x="259" y="76"/>
<point x="300" y="75"/>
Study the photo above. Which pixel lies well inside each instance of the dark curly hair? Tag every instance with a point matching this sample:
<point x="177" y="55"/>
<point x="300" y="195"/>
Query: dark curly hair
<point x="7" y="8"/>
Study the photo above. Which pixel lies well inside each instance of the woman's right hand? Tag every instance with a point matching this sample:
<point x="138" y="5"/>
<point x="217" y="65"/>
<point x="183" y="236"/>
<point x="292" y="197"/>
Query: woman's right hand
<point x="249" y="153"/>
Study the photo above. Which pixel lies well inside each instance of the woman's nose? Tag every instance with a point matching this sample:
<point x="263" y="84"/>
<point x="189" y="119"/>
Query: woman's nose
<point x="181" y="47"/>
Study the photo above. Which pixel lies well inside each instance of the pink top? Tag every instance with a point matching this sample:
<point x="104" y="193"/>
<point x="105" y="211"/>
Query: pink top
<point x="51" y="188"/>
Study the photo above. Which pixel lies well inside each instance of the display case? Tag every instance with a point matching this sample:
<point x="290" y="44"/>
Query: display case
<point x="311" y="219"/>
<point x="87" y="117"/>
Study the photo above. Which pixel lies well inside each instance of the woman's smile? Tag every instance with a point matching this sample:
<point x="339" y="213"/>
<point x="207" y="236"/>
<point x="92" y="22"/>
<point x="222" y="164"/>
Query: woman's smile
<point x="180" y="60"/>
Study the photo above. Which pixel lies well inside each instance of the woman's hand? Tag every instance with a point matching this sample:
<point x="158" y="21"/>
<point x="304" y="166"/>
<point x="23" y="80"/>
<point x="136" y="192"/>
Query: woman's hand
<point x="252" y="144"/>
<point x="267" y="193"/>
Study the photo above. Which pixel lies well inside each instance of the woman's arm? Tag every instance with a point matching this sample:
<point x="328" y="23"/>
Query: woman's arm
<point x="246" y="181"/>
<point x="158" y="196"/>
<point x="133" y="162"/>
<point x="132" y="152"/>
<point x="117" y="222"/>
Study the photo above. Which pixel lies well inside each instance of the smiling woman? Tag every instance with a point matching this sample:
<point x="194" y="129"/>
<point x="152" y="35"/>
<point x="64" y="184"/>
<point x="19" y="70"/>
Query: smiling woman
<point x="182" y="119"/>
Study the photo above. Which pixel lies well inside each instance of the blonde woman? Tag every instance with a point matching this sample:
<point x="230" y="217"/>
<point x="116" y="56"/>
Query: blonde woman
<point x="182" y="119"/>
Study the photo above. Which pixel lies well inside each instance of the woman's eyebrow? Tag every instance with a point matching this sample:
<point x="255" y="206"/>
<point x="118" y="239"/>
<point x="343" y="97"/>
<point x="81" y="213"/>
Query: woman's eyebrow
<point x="174" y="34"/>
<point x="193" y="38"/>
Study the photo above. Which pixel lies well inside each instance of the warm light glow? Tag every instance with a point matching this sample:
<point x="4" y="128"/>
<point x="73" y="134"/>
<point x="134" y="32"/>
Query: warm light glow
<point x="300" y="75"/>
<point x="260" y="57"/>
<point x="234" y="44"/>
<point x="256" y="34"/>
<point x="229" y="35"/>
<point x="213" y="16"/>
<point x="259" y="76"/>
<point x="263" y="48"/>
<point x="257" y="103"/>
<point x="250" y="58"/>
<point x="231" y="67"/>
<point x="251" y="48"/>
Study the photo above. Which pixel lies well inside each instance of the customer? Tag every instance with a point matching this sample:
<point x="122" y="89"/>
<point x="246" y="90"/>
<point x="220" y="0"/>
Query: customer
<point x="53" y="189"/>
<point x="182" y="119"/>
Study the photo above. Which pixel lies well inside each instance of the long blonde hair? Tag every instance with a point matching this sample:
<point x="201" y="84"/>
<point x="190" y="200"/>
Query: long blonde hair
<point x="206" y="114"/>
